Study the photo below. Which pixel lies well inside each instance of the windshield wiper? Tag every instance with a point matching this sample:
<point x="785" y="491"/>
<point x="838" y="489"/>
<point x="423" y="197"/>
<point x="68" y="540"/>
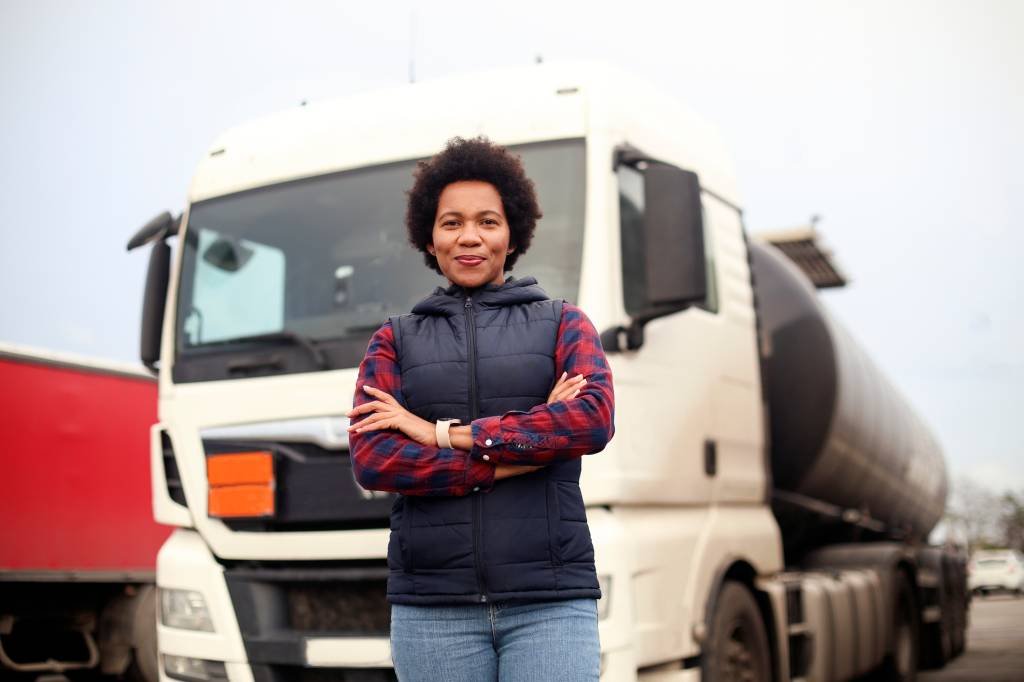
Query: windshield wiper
<point x="284" y="335"/>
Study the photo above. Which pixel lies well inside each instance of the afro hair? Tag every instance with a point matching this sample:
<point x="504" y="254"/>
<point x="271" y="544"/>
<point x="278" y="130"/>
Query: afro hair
<point x="474" y="159"/>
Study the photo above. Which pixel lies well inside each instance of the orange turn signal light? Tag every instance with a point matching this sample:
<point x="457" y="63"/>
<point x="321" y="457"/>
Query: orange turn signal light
<point x="241" y="484"/>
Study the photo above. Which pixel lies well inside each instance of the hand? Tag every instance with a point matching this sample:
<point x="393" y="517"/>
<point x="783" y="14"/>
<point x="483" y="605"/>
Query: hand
<point x="387" y="413"/>
<point x="509" y="470"/>
<point x="566" y="388"/>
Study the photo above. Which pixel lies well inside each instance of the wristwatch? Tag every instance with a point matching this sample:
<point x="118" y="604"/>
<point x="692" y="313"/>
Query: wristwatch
<point x="441" y="432"/>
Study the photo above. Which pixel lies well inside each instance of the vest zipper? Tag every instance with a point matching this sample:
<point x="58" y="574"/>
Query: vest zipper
<point x="471" y="338"/>
<point x="478" y="520"/>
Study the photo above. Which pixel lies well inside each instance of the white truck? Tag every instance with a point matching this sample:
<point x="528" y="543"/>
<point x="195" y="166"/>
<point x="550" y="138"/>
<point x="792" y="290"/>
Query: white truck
<point x="761" y="511"/>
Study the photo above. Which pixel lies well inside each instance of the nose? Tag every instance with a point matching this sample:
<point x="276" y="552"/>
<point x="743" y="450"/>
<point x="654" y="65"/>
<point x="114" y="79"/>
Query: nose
<point x="469" y="235"/>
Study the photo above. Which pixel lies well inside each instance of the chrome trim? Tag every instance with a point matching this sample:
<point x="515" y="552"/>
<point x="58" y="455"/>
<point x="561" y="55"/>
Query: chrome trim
<point x="330" y="433"/>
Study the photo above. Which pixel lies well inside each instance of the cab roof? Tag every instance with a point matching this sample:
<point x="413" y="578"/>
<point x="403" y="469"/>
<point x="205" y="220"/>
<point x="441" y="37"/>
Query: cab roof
<point x="510" y="106"/>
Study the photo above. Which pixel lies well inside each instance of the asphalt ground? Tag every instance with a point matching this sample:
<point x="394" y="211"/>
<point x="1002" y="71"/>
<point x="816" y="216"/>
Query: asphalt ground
<point x="995" y="644"/>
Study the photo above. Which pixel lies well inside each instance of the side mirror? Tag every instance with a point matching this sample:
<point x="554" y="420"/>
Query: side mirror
<point x="154" y="299"/>
<point x="674" y="236"/>
<point x="153" y="302"/>
<point x="160" y="227"/>
<point x="662" y="237"/>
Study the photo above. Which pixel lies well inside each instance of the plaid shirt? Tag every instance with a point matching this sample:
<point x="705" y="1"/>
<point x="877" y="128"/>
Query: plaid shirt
<point x="389" y="460"/>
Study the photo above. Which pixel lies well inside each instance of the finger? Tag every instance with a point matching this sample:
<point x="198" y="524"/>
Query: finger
<point x="376" y="426"/>
<point x="371" y="406"/>
<point x="570" y="383"/>
<point x="561" y="394"/>
<point x="375" y="417"/>
<point x="379" y="394"/>
<point x="561" y="382"/>
<point x="575" y="384"/>
<point x="567" y="392"/>
<point x="565" y="382"/>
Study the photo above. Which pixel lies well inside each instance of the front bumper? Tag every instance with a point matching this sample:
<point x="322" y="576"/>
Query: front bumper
<point x="253" y="634"/>
<point x="995" y="585"/>
<point x="267" y="629"/>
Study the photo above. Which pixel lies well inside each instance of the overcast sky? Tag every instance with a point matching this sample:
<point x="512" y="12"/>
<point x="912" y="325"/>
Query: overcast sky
<point x="898" y="122"/>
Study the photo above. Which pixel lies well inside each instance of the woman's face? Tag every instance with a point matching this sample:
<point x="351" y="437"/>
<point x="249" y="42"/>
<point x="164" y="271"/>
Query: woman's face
<point x="471" y="235"/>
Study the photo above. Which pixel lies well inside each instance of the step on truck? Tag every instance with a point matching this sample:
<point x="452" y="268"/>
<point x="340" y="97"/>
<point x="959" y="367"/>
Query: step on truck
<point x="761" y="513"/>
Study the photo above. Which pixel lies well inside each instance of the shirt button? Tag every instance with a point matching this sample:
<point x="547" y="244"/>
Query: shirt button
<point x="487" y="458"/>
<point x="476" y="488"/>
<point x="488" y="442"/>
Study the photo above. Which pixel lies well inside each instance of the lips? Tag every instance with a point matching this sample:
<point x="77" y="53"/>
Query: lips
<point x="469" y="260"/>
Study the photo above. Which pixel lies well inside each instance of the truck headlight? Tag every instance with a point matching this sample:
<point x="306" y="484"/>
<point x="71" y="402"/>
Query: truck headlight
<point x="603" y="604"/>
<point x="193" y="669"/>
<point x="184" y="609"/>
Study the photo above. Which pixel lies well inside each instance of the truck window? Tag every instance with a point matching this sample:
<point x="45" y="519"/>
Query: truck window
<point x="230" y="302"/>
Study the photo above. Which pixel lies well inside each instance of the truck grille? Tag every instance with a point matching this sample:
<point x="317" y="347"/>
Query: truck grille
<point x="279" y="606"/>
<point x="358" y="607"/>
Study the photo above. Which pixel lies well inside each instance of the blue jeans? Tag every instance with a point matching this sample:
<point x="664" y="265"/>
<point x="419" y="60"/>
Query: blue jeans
<point x="505" y="642"/>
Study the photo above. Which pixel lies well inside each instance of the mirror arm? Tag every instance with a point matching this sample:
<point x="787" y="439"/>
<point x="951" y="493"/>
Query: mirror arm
<point x="618" y="339"/>
<point x="628" y="155"/>
<point x="160" y="228"/>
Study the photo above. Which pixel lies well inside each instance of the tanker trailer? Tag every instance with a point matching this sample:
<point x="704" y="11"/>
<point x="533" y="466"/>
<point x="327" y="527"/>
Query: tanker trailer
<point x="858" y="479"/>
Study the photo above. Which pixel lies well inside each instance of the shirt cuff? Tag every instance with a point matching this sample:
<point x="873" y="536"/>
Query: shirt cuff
<point x="491" y="442"/>
<point x="479" y="476"/>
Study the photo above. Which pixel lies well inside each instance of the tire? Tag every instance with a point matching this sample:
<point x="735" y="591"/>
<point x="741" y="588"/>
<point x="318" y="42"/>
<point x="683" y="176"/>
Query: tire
<point x="959" y="636"/>
<point x="736" y="647"/>
<point x="144" y="666"/>
<point x="901" y="663"/>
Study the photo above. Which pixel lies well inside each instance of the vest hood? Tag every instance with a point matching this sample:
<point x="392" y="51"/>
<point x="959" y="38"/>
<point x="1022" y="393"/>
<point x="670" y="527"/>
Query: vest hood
<point x="452" y="300"/>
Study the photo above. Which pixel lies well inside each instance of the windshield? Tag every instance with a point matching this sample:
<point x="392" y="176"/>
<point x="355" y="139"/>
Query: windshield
<point x="326" y="259"/>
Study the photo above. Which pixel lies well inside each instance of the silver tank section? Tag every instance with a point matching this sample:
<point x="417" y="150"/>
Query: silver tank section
<point x="841" y="433"/>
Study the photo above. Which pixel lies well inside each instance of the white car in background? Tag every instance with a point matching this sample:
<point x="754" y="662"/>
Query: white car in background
<point x="996" y="570"/>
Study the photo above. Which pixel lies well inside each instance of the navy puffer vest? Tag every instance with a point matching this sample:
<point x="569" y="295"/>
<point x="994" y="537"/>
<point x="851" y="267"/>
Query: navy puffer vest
<point x="474" y="354"/>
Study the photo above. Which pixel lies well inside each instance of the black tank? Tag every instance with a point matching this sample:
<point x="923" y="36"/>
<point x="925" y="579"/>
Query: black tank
<point x="841" y="433"/>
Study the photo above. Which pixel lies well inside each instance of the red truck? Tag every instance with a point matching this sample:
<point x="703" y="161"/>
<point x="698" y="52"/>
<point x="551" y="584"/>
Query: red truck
<point x="78" y="541"/>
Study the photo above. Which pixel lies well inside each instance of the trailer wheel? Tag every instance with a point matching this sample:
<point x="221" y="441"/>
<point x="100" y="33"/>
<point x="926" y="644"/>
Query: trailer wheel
<point x="900" y="664"/>
<point x="144" y="666"/>
<point x="959" y="637"/>
<point x="736" y="647"/>
<point x="960" y="629"/>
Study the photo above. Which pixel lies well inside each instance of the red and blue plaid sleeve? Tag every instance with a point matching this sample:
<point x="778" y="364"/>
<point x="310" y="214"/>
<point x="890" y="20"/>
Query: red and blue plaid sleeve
<point x="390" y="460"/>
<point x="565" y="429"/>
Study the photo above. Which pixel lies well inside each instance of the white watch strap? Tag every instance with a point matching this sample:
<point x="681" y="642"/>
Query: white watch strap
<point x="441" y="432"/>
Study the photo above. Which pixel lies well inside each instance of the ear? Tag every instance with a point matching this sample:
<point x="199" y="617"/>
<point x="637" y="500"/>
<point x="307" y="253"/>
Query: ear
<point x="430" y="249"/>
<point x="511" y="248"/>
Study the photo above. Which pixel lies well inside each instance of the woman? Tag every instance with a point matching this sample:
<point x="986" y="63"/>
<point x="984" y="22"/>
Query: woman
<point x="476" y="407"/>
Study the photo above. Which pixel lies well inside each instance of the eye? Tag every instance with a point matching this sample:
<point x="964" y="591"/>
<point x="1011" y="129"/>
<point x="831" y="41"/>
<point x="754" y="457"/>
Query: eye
<point x="450" y="223"/>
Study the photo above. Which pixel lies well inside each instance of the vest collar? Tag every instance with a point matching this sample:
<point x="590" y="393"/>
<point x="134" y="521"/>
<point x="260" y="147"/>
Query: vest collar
<point x="452" y="300"/>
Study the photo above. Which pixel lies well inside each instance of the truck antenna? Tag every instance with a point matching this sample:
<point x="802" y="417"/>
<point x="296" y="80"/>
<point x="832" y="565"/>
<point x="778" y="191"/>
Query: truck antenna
<point x="412" y="45"/>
